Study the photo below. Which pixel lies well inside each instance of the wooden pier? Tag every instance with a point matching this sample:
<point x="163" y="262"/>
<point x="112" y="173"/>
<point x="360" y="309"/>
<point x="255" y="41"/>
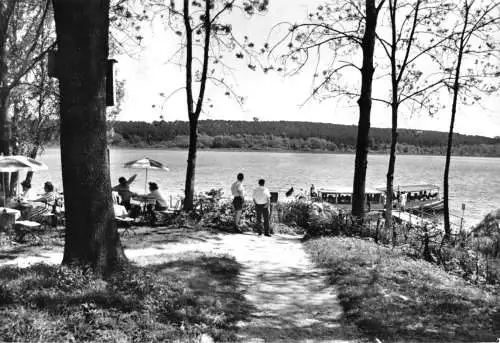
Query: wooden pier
<point x="406" y="217"/>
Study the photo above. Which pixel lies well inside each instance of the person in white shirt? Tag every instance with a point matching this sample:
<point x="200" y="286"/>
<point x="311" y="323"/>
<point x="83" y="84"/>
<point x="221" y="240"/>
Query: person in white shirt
<point x="262" y="199"/>
<point x="238" y="192"/>
<point x="26" y="194"/>
<point x="154" y="193"/>
<point x="402" y="201"/>
<point x="160" y="202"/>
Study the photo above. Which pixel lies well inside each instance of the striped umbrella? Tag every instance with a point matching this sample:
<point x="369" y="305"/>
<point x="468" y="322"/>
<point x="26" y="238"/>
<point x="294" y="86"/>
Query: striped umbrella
<point x="146" y="163"/>
<point x="15" y="163"/>
<point x="10" y="164"/>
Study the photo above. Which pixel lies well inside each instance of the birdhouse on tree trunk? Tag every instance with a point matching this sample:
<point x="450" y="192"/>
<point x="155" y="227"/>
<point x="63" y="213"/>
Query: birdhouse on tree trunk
<point x="110" y="82"/>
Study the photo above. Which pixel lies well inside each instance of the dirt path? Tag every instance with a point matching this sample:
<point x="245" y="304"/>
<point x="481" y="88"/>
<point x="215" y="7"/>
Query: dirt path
<point x="290" y="295"/>
<point x="291" y="299"/>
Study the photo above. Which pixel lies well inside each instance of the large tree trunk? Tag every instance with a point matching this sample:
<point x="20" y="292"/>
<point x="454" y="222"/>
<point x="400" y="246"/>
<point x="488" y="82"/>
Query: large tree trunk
<point x="5" y="129"/>
<point x="6" y="12"/>
<point x="82" y="36"/>
<point x="4" y="136"/>
<point x="365" y="105"/>
<point x="191" y="166"/>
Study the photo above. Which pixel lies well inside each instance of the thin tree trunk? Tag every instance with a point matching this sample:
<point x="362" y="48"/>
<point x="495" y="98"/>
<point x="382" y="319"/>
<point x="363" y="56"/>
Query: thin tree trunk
<point x="394" y="114"/>
<point x="365" y="105"/>
<point x="191" y="166"/>
<point x="395" y="102"/>
<point x="391" y="167"/>
<point x="82" y="37"/>
<point x="189" y="186"/>
<point x="194" y="113"/>
<point x="456" y="89"/>
<point x="14" y="177"/>
<point x="33" y="153"/>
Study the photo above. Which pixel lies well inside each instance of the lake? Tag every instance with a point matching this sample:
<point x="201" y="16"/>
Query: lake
<point x="474" y="181"/>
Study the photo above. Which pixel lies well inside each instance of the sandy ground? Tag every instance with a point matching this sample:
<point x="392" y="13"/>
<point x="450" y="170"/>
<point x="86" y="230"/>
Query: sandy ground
<point x="290" y="297"/>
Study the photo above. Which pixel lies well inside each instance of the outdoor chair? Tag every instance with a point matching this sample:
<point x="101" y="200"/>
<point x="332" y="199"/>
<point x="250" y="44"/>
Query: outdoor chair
<point x="55" y="216"/>
<point x="28" y="227"/>
<point x="165" y="216"/>
<point x="123" y="220"/>
<point x="7" y="219"/>
<point x="127" y="223"/>
<point x="19" y="228"/>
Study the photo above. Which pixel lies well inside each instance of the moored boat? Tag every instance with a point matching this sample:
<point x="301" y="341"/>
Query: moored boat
<point x="417" y="197"/>
<point x="341" y="197"/>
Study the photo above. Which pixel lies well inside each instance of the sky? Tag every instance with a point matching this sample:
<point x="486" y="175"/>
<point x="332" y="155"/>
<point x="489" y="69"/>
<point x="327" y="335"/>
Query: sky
<point x="270" y="96"/>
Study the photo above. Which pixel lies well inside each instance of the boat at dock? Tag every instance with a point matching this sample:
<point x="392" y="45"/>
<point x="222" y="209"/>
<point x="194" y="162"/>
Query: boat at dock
<point x="417" y="197"/>
<point x="411" y="198"/>
<point x="341" y="197"/>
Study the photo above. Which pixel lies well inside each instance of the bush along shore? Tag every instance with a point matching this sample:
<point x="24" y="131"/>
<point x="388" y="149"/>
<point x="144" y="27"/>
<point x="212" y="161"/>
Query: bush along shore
<point x="405" y="283"/>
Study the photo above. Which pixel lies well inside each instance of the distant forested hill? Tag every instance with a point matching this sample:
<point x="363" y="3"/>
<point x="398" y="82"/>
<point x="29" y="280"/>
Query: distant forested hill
<point x="298" y="136"/>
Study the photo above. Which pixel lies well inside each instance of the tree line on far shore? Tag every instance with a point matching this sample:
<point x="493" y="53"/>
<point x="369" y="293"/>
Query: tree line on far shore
<point x="294" y="136"/>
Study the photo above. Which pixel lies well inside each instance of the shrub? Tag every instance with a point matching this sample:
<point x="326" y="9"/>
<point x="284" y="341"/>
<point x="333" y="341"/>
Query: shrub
<point x="295" y="213"/>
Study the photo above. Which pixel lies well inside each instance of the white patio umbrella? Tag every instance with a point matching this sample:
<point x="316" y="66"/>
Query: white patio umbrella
<point x="15" y="163"/>
<point x="146" y="163"/>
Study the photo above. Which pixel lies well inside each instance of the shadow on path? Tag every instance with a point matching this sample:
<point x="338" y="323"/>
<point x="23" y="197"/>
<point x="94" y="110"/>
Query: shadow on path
<point x="291" y="297"/>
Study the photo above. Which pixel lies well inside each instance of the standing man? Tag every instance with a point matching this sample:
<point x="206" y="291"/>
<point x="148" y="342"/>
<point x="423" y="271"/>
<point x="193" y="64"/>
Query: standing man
<point x="238" y="192"/>
<point x="262" y="200"/>
<point x="402" y="201"/>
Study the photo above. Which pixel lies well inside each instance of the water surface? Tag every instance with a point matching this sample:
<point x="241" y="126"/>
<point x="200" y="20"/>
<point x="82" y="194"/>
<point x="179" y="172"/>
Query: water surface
<point x="474" y="181"/>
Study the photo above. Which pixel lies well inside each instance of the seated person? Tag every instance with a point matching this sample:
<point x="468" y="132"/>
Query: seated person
<point x="313" y="193"/>
<point x="23" y="198"/>
<point x="155" y="194"/>
<point x="46" y="200"/>
<point x="26" y="194"/>
<point x="123" y="189"/>
<point x="300" y="195"/>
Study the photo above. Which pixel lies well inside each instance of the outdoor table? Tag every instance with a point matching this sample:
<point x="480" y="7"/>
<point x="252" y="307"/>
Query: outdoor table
<point x="24" y="208"/>
<point x="143" y="202"/>
<point x="135" y="202"/>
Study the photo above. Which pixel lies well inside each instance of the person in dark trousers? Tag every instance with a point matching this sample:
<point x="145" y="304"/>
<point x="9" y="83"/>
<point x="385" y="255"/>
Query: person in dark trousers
<point x="238" y="192"/>
<point x="262" y="200"/>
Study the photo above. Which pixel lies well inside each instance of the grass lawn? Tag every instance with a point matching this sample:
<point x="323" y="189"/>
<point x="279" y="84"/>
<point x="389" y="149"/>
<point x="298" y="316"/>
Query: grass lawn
<point x="395" y="298"/>
<point x="180" y="298"/>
